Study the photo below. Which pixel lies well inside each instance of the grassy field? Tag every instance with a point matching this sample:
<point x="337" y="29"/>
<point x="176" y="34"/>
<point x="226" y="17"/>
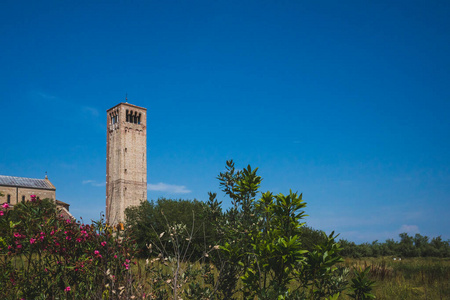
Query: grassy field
<point x="409" y="278"/>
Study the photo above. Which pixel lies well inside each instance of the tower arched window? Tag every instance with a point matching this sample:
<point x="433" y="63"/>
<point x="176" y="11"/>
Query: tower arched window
<point x="9" y="199"/>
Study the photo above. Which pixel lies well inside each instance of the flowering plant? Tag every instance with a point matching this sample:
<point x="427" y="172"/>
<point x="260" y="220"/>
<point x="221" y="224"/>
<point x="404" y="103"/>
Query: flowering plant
<point x="45" y="256"/>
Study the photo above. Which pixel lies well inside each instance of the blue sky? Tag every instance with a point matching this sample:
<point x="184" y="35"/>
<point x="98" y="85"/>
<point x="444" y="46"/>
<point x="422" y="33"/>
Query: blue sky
<point x="345" y="101"/>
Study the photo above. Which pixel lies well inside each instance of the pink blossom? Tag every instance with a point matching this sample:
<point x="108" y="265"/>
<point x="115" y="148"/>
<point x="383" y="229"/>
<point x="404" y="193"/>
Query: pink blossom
<point x="67" y="289"/>
<point x="96" y="252"/>
<point x="33" y="198"/>
<point x="5" y="205"/>
<point x="103" y="244"/>
<point x="126" y="266"/>
<point x="115" y="256"/>
<point x="2" y="213"/>
<point x="17" y="235"/>
<point x="19" y="246"/>
<point x="68" y="237"/>
<point x="32" y="241"/>
<point x="79" y="240"/>
<point x="68" y="221"/>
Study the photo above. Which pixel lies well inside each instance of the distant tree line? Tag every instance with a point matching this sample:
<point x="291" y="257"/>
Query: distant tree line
<point x="408" y="246"/>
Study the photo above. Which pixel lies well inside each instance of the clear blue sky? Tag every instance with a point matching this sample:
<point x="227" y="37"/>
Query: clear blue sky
<point x="347" y="102"/>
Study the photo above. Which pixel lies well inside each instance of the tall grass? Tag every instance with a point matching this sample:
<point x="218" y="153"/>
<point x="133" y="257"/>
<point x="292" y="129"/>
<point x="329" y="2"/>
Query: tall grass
<point x="410" y="278"/>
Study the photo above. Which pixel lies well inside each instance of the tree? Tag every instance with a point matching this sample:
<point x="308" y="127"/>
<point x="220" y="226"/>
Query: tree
<point x="261" y="243"/>
<point x="150" y="219"/>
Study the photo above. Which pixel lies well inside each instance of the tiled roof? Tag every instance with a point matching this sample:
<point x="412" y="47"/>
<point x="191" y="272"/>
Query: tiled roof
<point x="26" y="182"/>
<point x="61" y="203"/>
<point x="65" y="213"/>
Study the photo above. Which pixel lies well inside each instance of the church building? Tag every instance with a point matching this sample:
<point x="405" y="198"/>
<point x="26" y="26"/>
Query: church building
<point x="19" y="189"/>
<point x="126" y="160"/>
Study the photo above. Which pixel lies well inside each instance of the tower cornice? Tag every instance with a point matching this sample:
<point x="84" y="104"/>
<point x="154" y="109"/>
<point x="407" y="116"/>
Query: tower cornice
<point x="126" y="104"/>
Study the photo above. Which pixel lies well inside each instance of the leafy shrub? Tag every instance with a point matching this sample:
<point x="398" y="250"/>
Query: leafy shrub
<point x="45" y="256"/>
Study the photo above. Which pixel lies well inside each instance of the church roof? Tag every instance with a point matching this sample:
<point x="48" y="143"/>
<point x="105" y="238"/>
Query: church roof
<point x="26" y="182"/>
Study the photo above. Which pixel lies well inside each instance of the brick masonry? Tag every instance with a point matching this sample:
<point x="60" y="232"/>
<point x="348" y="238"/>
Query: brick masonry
<point x="126" y="160"/>
<point x="16" y="194"/>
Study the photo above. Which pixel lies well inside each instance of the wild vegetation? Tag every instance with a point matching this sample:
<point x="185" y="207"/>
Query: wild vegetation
<point x="410" y="278"/>
<point x="408" y="246"/>
<point x="180" y="249"/>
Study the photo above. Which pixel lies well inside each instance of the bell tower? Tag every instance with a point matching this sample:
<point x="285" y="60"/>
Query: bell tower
<point x="126" y="159"/>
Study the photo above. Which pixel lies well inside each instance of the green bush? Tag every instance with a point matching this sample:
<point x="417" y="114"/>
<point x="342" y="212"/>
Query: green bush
<point x="44" y="256"/>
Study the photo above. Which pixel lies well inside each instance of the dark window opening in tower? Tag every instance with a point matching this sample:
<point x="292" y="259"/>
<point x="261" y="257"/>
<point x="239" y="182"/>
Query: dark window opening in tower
<point x="23" y="199"/>
<point x="139" y="119"/>
<point x="114" y="118"/>
<point x="9" y="199"/>
<point x="128" y="116"/>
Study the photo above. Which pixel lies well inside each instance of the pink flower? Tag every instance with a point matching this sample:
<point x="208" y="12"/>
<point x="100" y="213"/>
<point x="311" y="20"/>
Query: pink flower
<point x="5" y="205"/>
<point x="67" y="289"/>
<point x="2" y="213"/>
<point x="33" y="198"/>
<point x="68" y="221"/>
<point x="103" y="244"/>
<point x="126" y="266"/>
<point x="68" y="237"/>
<point x="17" y="235"/>
<point x="115" y="256"/>
<point x="32" y="241"/>
<point x="79" y="240"/>
<point x="96" y="252"/>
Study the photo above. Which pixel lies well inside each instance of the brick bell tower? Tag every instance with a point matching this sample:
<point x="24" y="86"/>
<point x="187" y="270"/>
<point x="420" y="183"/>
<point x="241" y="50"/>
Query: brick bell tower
<point x="126" y="159"/>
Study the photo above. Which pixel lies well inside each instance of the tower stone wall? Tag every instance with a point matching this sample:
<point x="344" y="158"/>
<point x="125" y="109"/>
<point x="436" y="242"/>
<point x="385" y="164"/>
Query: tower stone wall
<point x="126" y="160"/>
